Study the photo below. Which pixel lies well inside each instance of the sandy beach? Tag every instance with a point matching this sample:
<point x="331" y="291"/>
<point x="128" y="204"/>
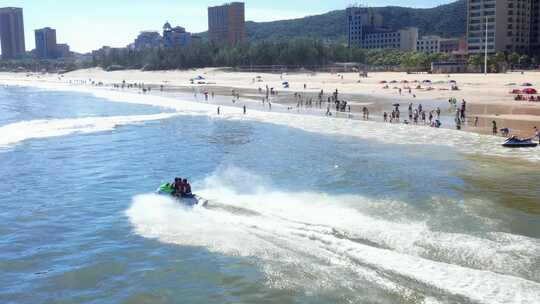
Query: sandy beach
<point x="488" y="96"/>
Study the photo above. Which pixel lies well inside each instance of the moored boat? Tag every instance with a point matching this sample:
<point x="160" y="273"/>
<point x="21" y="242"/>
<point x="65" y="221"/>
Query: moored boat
<point x="514" y="142"/>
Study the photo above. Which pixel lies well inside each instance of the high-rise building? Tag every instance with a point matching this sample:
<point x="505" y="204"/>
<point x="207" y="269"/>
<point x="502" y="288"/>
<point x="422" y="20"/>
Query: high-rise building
<point x="509" y="24"/>
<point x="226" y="23"/>
<point x="46" y="43"/>
<point x="535" y="28"/>
<point x="365" y="30"/>
<point x="12" y="32"/>
<point x="361" y="21"/>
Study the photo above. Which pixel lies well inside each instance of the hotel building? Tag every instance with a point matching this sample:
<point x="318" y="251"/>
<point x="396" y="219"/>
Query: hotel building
<point x="226" y="23"/>
<point x="12" y="32"/>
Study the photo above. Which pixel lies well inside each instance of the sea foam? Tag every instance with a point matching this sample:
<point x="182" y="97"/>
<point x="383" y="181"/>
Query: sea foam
<point x="328" y="238"/>
<point x="15" y="133"/>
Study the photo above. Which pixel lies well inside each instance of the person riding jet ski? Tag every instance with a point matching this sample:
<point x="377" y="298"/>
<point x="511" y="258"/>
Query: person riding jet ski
<point x="187" y="189"/>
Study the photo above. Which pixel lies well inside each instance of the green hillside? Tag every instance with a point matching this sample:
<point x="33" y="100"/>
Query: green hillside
<point x="446" y="20"/>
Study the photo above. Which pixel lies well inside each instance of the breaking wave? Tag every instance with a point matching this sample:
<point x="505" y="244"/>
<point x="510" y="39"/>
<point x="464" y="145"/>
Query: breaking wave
<point x="15" y="133"/>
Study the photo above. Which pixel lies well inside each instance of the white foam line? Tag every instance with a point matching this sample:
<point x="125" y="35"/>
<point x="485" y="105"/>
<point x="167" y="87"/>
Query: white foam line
<point x="15" y="133"/>
<point x="414" y="238"/>
<point x="464" y="142"/>
<point x="479" y="286"/>
<point x="273" y="240"/>
<point x="279" y="239"/>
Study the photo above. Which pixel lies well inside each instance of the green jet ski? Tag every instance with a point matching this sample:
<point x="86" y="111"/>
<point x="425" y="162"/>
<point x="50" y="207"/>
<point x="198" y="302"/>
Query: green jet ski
<point x="186" y="199"/>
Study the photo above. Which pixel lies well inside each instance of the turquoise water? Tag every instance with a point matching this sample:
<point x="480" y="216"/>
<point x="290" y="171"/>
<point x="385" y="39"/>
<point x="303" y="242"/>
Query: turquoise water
<point x="294" y="216"/>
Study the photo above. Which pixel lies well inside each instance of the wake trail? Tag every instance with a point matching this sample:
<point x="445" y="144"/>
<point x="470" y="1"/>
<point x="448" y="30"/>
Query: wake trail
<point x="282" y="236"/>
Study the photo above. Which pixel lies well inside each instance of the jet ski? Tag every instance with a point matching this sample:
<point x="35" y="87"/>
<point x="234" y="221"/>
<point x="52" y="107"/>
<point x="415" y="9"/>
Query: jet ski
<point x="514" y="142"/>
<point x="186" y="199"/>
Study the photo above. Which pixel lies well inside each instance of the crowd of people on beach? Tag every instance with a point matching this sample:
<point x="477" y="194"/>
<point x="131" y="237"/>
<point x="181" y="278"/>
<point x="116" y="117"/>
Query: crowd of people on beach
<point x="417" y="115"/>
<point x="520" y="97"/>
<point x="332" y="102"/>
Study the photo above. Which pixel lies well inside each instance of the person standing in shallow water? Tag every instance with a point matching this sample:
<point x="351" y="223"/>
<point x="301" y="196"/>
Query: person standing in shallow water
<point x="244" y="109"/>
<point x="494" y="124"/>
<point x="218" y="110"/>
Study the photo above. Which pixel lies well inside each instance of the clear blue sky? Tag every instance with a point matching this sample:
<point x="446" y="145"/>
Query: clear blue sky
<point x="87" y="25"/>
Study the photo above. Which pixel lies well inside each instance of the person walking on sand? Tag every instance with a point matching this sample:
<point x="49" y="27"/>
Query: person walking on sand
<point x="463" y="109"/>
<point x="476" y="121"/>
<point x="438" y="111"/>
<point x="494" y="124"/>
<point x="385" y="117"/>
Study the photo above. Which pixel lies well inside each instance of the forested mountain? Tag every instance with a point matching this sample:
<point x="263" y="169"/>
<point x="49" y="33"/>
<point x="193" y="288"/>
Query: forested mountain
<point x="446" y="20"/>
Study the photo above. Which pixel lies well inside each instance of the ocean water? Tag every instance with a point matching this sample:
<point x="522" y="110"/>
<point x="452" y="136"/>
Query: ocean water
<point x="302" y="209"/>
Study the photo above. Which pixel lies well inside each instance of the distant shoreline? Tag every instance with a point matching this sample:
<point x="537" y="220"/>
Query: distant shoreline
<point x="486" y="98"/>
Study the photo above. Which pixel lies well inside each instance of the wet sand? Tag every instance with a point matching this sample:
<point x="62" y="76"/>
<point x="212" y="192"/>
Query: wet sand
<point x="487" y="97"/>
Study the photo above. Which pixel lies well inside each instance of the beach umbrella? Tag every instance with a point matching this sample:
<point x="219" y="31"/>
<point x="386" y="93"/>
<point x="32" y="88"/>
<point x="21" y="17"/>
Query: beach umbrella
<point x="527" y="84"/>
<point x="427" y="80"/>
<point x="382" y="81"/>
<point x="396" y="105"/>
<point x="393" y="81"/>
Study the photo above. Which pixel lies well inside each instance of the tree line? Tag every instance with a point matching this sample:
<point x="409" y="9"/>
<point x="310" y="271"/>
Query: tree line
<point x="294" y="52"/>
